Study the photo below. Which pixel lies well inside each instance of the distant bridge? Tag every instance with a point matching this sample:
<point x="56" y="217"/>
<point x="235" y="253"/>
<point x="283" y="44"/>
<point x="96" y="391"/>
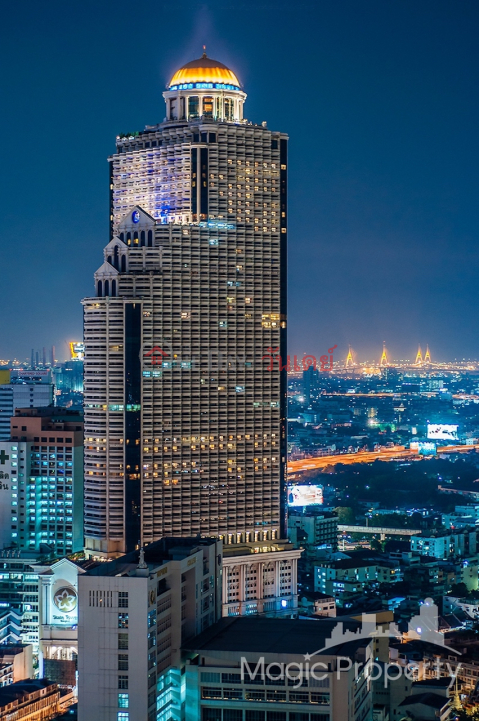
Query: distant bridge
<point x="383" y="532"/>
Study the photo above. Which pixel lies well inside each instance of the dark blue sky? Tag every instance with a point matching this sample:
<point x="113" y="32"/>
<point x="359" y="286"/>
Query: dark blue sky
<point x="379" y="97"/>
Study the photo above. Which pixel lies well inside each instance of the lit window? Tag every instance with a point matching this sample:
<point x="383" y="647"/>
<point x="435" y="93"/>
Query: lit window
<point x="123" y="700"/>
<point x="123" y="715"/>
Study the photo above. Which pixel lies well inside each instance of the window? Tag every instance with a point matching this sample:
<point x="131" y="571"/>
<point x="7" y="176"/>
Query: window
<point x="207" y="107"/>
<point x="320" y="717"/>
<point x="122" y="700"/>
<point x="276" y="716"/>
<point x="254" y="716"/>
<point x="193" y="104"/>
<point x="123" y="716"/>
<point x="123" y="641"/>
<point x="298" y="716"/>
<point x="298" y="698"/>
<point x="122" y="599"/>
<point x="122" y="681"/>
<point x="232" y="714"/>
<point x="322" y="698"/>
<point x="211" y="714"/>
<point x="207" y="677"/>
<point x="225" y="677"/>
<point x="122" y="620"/>
<point x="122" y="662"/>
<point x="211" y="692"/>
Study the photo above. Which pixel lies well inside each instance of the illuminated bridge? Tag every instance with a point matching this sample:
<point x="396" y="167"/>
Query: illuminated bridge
<point x="380" y="529"/>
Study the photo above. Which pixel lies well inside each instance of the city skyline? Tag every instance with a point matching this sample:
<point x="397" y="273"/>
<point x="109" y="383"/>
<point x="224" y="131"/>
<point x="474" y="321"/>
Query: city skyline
<point x="391" y="219"/>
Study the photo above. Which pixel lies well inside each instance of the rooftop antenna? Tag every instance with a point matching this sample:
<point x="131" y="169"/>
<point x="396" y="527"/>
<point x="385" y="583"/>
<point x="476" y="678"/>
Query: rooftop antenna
<point x="204" y="51"/>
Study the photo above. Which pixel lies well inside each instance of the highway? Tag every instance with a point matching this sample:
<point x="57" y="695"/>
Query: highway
<point x="385" y="454"/>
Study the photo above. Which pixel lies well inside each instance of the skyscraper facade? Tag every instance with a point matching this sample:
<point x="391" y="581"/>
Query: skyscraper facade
<point x="185" y="415"/>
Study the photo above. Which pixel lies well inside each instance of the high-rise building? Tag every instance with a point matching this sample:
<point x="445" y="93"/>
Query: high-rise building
<point x="41" y="481"/>
<point x="24" y="389"/>
<point x="185" y="427"/>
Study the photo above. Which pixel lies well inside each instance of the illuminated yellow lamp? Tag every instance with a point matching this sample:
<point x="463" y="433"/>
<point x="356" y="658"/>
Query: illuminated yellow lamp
<point x="204" y="70"/>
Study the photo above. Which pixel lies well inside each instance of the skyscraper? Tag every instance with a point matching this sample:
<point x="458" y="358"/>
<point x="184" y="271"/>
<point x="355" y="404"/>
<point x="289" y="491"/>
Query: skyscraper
<point x="185" y="423"/>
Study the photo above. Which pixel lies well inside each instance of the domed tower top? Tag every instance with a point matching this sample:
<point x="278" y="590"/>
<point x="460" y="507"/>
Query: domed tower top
<point x="204" y="88"/>
<point x="205" y="70"/>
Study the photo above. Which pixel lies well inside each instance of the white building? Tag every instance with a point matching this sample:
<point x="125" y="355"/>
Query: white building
<point x="27" y="389"/>
<point x="260" y="578"/>
<point x="134" y="614"/>
<point x="58" y="621"/>
<point x="184" y="422"/>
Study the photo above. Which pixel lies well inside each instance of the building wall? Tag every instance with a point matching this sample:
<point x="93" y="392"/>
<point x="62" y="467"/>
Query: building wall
<point x="214" y="683"/>
<point x="261" y="581"/>
<point x="19" y="589"/>
<point x="22" y="395"/>
<point x="41" y="502"/>
<point x="171" y="602"/>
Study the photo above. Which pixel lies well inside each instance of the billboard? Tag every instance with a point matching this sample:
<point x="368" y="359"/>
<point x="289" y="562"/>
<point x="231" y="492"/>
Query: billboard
<point x="77" y="350"/>
<point x="64" y="604"/>
<point x="305" y="495"/>
<point x="426" y="449"/>
<point x="442" y="432"/>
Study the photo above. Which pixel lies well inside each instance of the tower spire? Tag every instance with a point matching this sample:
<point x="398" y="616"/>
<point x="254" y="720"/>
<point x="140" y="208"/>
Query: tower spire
<point x="384" y="356"/>
<point x="418" y="360"/>
<point x="427" y="355"/>
<point x="350" y="358"/>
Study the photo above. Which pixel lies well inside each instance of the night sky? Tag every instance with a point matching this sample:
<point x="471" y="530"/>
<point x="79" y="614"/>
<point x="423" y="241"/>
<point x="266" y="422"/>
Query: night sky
<point x="379" y="97"/>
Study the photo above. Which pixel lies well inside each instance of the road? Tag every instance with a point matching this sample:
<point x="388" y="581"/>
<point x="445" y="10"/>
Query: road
<point x="385" y="454"/>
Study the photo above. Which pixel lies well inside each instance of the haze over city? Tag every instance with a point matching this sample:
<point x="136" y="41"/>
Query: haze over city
<point x="379" y="100"/>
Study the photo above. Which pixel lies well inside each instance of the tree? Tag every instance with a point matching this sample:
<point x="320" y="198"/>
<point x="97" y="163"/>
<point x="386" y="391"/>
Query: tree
<point x="345" y="515"/>
<point x="459" y="590"/>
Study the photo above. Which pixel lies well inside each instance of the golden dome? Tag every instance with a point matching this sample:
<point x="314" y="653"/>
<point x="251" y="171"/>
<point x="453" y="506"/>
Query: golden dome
<point x="204" y="70"/>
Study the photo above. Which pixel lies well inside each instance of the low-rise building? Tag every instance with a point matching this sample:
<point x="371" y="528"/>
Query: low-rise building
<point x="19" y="658"/>
<point x="32" y="700"/>
<point x="347" y="578"/>
<point x="260" y="578"/>
<point x="254" y="669"/>
<point x="316" y="530"/>
<point x="445" y="544"/>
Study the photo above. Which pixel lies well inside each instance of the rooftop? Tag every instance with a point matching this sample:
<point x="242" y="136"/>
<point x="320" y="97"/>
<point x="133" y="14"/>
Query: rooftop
<point x="272" y="635"/>
<point x="156" y="554"/>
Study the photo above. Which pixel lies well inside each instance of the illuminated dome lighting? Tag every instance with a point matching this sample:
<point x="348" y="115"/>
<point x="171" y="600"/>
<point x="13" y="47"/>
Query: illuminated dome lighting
<point x="204" y="70"/>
